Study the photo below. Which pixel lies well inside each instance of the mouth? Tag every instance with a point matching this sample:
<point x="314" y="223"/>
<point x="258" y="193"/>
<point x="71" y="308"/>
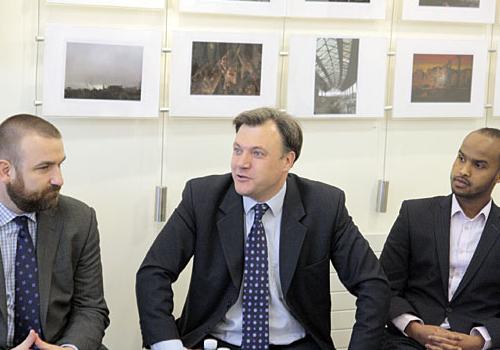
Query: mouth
<point x="461" y="182"/>
<point x="241" y="177"/>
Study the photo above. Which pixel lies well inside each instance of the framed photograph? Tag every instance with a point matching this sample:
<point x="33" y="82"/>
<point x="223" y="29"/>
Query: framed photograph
<point x="147" y="4"/>
<point x="440" y="78"/>
<point x="97" y="72"/>
<point x="356" y="9"/>
<point x="222" y="74"/>
<point x="275" y="8"/>
<point x="336" y="76"/>
<point x="473" y="11"/>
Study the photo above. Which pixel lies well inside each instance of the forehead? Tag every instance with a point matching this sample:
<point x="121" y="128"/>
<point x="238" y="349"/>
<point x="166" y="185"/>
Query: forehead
<point x="481" y="147"/>
<point x="34" y="148"/>
<point x="264" y="135"/>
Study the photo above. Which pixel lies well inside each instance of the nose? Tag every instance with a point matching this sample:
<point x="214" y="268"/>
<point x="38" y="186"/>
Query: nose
<point x="57" y="178"/>
<point x="244" y="160"/>
<point x="465" y="169"/>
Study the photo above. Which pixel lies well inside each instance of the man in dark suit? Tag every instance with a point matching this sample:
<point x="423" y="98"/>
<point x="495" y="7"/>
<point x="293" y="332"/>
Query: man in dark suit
<point x="306" y="227"/>
<point x="51" y="293"/>
<point x="442" y="258"/>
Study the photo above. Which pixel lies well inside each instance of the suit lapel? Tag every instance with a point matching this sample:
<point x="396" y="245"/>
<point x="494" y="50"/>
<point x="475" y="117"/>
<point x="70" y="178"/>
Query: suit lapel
<point x="230" y="227"/>
<point x="442" y="236"/>
<point x="488" y="238"/>
<point x="48" y="235"/>
<point x="292" y="234"/>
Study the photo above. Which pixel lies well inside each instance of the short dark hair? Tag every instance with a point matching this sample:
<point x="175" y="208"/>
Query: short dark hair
<point x="14" y="128"/>
<point x="493" y="133"/>
<point x="289" y="128"/>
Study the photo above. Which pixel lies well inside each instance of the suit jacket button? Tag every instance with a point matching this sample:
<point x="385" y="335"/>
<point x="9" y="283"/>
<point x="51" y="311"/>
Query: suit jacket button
<point x="449" y="309"/>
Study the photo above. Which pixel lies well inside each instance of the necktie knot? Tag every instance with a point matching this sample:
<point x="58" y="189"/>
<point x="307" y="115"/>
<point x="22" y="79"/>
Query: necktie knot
<point x="260" y="209"/>
<point x="22" y="223"/>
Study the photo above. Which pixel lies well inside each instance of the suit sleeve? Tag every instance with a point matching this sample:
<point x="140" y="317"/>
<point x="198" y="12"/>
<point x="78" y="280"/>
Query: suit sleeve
<point x="165" y="260"/>
<point x="360" y="272"/>
<point x="395" y="260"/>
<point x="89" y="314"/>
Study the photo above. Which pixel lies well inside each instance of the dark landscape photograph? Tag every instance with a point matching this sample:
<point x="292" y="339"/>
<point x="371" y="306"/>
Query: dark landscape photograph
<point x="103" y="72"/>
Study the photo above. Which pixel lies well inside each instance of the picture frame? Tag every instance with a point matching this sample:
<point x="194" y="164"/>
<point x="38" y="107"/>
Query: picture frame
<point x="101" y="72"/>
<point x="241" y="73"/>
<point x="440" y="78"/>
<point x="270" y="8"/>
<point x="483" y="11"/>
<point x="372" y="9"/>
<point x="337" y="76"/>
<point x="145" y="4"/>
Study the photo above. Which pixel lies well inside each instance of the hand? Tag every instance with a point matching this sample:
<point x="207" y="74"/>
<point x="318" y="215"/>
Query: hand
<point x="28" y="342"/>
<point x="46" y="346"/>
<point x="421" y="333"/>
<point x="461" y="342"/>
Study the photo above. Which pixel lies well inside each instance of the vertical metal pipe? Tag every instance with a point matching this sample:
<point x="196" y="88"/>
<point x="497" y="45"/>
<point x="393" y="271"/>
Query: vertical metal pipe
<point x="160" y="203"/>
<point x="382" y="194"/>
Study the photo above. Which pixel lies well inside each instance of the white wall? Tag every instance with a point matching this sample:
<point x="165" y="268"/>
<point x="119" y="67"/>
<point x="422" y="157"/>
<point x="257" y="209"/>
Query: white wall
<point x="114" y="164"/>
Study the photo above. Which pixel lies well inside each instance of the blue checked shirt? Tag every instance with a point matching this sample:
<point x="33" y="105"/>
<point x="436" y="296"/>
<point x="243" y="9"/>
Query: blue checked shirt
<point x="8" y="243"/>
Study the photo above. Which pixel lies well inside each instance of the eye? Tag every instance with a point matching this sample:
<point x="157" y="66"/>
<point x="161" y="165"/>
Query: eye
<point x="258" y="154"/>
<point x="460" y="158"/>
<point x="480" y="165"/>
<point x="237" y="151"/>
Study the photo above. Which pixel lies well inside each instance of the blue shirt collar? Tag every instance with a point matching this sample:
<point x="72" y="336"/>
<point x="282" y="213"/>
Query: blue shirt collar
<point x="7" y="215"/>
<point x="275" y="203"/>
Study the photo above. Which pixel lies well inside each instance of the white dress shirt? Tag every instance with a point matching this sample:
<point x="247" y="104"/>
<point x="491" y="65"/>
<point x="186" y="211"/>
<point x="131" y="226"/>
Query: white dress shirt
<point x="283" y="327"/>
<point x="465" y="234"/>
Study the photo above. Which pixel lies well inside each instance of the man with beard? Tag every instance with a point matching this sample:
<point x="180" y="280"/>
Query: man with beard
<point x="442" y="259"/>
<point x="51" y="293"/>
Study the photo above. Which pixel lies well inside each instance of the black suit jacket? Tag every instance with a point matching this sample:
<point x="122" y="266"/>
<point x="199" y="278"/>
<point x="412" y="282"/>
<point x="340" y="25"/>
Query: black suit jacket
<point x="72" y="306"/>
<point x="208" y="226"/>
<point x="416" y="261"/>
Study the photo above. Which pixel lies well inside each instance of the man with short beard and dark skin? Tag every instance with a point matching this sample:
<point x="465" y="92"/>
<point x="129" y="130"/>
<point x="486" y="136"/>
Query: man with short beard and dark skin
<point x="55" y="300"/>
<point x="442" y="259"/>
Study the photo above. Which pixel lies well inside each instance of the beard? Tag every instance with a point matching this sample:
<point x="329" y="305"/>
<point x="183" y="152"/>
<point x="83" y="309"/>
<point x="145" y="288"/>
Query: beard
<point x="473" y="192"/>
<point x="36" y="201"/>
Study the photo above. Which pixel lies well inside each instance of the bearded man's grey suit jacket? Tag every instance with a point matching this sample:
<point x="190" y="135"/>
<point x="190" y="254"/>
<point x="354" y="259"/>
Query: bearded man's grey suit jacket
<point x="72" y="305"/>
<point x="208" y="226"/>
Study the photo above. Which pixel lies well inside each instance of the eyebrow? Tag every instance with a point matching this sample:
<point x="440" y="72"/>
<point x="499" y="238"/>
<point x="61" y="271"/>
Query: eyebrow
<point x="49" y="162"/>
<point x="483" y="161"/>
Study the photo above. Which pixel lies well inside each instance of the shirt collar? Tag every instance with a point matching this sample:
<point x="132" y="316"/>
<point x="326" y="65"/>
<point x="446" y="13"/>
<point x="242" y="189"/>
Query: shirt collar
<point x="7" y="215"/>
<point x="275" y="204"/>
<point x="456" y="208"/>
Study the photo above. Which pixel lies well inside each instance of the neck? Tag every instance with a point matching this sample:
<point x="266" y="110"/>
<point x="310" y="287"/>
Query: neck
<point x="472" y="206"/>
<point x="7" y="202"/>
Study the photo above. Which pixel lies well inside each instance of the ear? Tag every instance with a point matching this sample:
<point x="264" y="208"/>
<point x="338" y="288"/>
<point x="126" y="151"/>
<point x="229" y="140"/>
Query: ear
<point x="6" y="169"/>
<point x="289" y="160"/>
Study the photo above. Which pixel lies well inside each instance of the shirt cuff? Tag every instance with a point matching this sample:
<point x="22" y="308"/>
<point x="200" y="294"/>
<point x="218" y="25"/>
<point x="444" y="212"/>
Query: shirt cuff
<point x="483" y="332"/>
<point x="69" y="346"/>
<point x="172" y="344"/>
<point x="402" y="321"/>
